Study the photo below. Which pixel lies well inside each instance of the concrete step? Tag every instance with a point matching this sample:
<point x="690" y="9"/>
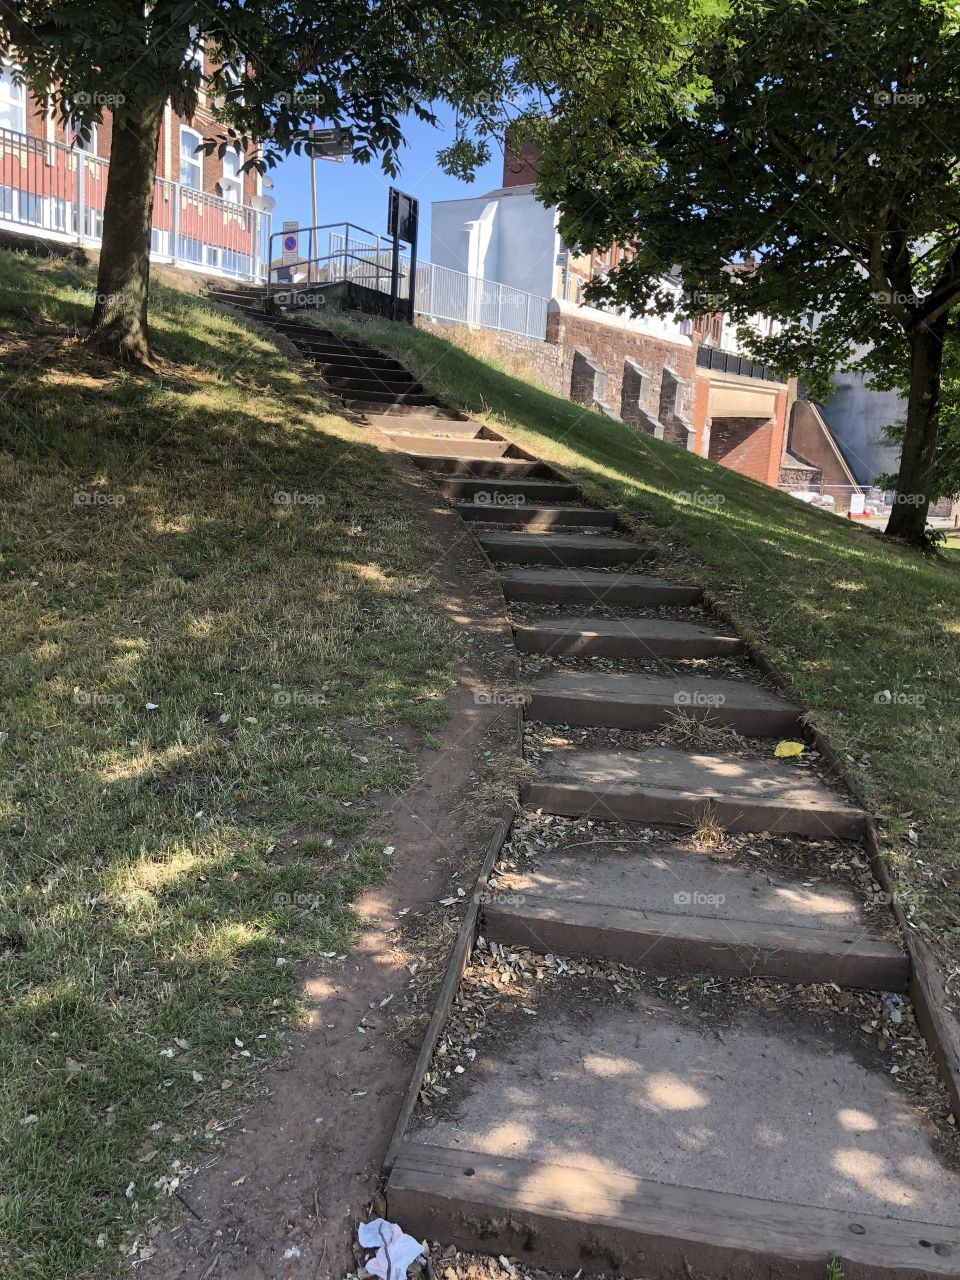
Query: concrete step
<point x="676" y="788"/>
<point x="500" y="491"/>
<point x="539" y="516"/>
<point x="347" y="364"/>
<point x="361" y="400"/>
<point x="429" y="446"/>
<point x="564" y="549"/>
<point x="314" y="333"/>
<point x="322" y="349"/>
<point x="242" y="299"/>
<point x="627" y="701"/>
<point x="624" y="638"/>
<point x="513" y="469"/>
<point x="624" y="1135"/>
<point x="331" y="348"/>
<point x="387" y="383"/>
<point x="675" y="911"/>
<point x="442" y="428"/>
<point x="381" y="413"/>
<point x="591" y="586"/>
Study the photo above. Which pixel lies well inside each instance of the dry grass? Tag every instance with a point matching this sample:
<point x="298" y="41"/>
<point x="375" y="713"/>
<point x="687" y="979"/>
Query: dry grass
<point x="707" y="831"/>
<point x="699" y="734"/>
<point x="217" y="615"/>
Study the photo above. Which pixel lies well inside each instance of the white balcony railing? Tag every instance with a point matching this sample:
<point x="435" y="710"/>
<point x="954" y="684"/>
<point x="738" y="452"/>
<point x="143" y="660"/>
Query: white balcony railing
<point x="58" y="192"/>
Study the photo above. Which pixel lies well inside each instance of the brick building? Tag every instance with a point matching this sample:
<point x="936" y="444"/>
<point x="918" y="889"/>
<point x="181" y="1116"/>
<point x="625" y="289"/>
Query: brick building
<point x="53" y="183"/>
<point x="684" y="381"/>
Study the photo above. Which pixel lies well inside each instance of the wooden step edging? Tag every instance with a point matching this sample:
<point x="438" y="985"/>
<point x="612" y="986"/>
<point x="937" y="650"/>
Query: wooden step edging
<point x="940" y="1028"/>
<point x="564" y="1217"/>
<point x="457" y="962"/>
<point x="623" y="638"/>
<point x="667" y="807"/>
<point x="694" y="944"/>
<point x="462" y="949"/>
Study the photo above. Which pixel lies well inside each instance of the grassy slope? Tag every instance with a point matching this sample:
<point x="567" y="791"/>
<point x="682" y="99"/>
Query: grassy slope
<point x="162" y="869"/>
<point x="846" y="616"/>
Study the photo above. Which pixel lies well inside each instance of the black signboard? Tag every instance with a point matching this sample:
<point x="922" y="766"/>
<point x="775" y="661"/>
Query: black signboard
<point x="403" y="215"/>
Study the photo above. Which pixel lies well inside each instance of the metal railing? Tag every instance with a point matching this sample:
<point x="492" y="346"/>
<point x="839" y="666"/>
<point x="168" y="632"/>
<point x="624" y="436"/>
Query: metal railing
<point x="363" y="257"/>
<point x="59" y="191"/>
<point x="445" y="294"/>
<point x="345" y="252"/>
<point x="731" y="362"/>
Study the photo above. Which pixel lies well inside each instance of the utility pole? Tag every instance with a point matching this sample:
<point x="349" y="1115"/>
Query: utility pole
<point x="314" y="252"/>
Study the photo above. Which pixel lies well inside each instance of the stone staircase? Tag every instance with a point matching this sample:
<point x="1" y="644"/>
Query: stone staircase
<point x="612" y="1124"/>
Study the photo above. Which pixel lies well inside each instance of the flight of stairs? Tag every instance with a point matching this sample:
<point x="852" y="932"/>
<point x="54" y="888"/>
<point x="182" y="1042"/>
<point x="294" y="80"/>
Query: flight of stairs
<point x="616" y="1127"/>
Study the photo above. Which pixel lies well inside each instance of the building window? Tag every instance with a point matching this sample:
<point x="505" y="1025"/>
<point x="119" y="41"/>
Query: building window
<point x="194" y="56"/>
<point x="189" y="249"/>
<point x="231" y="184"/>
<point x="13" y="103"/>
<point x="191" y="162"/>
<point x="88" y="146"/>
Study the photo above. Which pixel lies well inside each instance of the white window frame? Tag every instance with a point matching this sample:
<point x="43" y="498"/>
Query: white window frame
<point x="194" y="56"/>
<point x="189" y="141"/>
<point x="89" y="147"/>
<point x="231" y="184"/>
<point x="13" y="101"/>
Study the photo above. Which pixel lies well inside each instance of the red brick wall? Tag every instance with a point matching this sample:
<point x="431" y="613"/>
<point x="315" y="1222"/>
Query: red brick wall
<point x="202" y="122"/>
<point x="742" y="444"/>
<point x="609" y="346"/>
<point x="701" y="414"/>
<point x="520" y="166"/>
<point x="807" y="439"/>
<point x="749" y="445"/>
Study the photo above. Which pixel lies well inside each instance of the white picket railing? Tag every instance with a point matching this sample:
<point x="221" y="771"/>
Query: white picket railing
<point x="50" y="189"/>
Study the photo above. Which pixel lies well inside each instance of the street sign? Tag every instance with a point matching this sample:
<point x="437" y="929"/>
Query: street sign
<point x="331" y="144"/>
<point x="402" y="216"/>
<point x="290" y="243"/>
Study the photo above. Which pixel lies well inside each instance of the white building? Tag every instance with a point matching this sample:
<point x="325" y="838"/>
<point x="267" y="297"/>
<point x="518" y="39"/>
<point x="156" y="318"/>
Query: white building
<point x="507" y="236"/>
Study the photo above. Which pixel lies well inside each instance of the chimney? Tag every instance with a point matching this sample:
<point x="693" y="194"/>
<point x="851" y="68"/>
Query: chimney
<point x="520" y="165"/>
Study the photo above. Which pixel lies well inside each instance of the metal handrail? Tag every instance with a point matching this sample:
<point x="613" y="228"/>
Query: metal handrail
<point x="441" y="293"/>
<point x="381" y="244"/>
<point x="338" y="256"/>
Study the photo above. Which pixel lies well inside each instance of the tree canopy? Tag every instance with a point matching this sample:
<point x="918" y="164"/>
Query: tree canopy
<point x="280" y="65"/>
<point x="826" y="154"/>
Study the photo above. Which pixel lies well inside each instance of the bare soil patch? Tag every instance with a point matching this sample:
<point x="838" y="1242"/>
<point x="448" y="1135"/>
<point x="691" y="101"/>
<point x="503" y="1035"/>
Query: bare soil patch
<point x="293" y="1178"/>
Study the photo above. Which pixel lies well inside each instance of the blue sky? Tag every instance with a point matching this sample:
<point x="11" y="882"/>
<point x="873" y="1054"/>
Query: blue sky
<point x="358" y="193"/>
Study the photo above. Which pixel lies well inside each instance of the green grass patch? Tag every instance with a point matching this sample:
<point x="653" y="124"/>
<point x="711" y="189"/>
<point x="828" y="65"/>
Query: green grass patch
<point x="868" y="633"/>
<point x="217" y="620"/>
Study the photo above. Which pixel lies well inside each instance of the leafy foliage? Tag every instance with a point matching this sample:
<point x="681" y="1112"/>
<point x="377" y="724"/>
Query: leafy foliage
<point x="364" y="65"/>
<point x="816" y="182"/>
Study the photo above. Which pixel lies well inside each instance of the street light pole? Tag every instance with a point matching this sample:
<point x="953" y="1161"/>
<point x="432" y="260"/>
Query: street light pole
<point x="314" y="254"/>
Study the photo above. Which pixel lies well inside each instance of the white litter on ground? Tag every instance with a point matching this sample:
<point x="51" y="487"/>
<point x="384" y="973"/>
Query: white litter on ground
<point x="395" y="1250"/>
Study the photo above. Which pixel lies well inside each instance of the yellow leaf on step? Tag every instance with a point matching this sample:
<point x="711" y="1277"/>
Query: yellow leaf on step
<point x="788" y="748"/>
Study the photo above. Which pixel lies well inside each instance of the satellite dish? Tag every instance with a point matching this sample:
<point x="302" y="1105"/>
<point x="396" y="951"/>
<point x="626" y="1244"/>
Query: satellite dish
<point x="263" y="204"/>
<point x="267" y="182"/>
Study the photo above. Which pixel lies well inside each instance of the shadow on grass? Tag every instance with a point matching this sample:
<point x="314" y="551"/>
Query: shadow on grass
<point x="867" y="632"/>
<point x="218" y="623"/>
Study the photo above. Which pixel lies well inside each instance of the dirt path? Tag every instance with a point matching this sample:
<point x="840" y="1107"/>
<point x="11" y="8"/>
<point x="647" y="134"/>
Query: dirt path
<point x="302" y="1165"/>
<point x="683" y="1043"/>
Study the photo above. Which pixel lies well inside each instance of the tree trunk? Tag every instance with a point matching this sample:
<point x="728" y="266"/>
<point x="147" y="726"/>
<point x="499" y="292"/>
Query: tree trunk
<point x="911" y="503"/>
<point x="119" y="325"/>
